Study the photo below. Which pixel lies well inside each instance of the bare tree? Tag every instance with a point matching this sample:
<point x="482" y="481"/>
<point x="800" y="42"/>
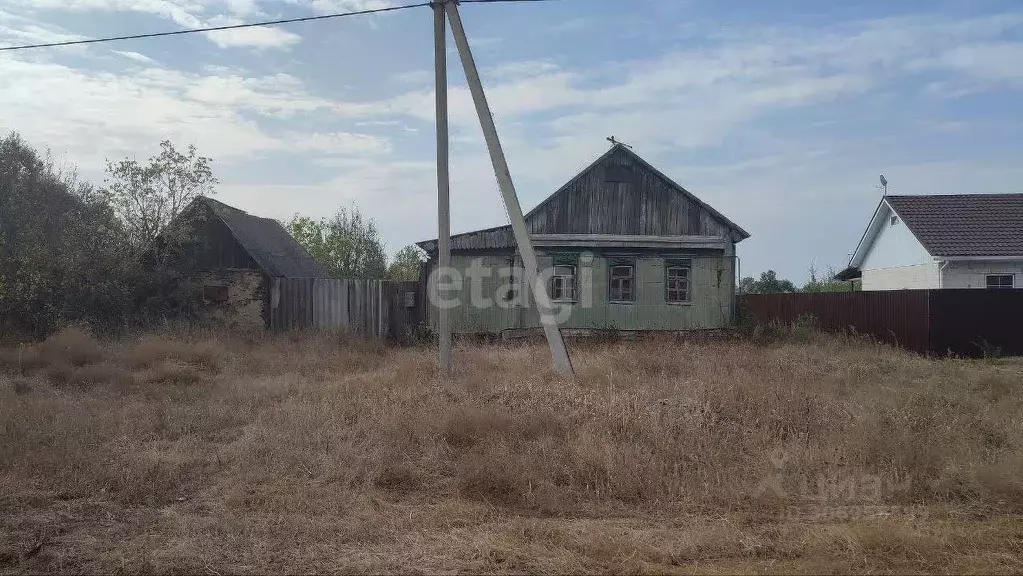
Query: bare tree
<point x="146" y="197"/>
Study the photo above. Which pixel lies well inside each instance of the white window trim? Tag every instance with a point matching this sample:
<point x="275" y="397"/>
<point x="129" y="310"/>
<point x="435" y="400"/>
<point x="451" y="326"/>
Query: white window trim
<point x="987" y="283"/>
<point x="574" y="278"/>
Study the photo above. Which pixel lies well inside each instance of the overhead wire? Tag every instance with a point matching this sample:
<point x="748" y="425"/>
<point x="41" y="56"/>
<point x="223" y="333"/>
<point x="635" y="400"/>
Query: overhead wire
<point x="244" y="25"/>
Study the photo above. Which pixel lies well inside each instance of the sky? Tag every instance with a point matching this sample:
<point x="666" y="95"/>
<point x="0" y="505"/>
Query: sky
<point x="781" y="114"/>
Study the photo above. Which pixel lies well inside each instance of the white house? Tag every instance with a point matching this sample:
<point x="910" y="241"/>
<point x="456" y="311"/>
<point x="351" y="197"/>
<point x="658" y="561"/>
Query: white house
<point x="941" y="241"/>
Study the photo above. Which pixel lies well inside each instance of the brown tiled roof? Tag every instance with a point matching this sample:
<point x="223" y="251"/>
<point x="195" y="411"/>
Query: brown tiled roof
<point x="964" y="224"/>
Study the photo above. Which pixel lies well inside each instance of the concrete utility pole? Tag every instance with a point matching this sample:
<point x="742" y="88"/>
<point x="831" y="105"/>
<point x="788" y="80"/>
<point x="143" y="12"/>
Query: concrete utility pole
<point x="562" y="362"/>
<point x="443" y="179"/>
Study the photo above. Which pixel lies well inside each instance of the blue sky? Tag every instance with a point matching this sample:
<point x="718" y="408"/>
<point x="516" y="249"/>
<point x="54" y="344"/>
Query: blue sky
<point x="779" y="114"/>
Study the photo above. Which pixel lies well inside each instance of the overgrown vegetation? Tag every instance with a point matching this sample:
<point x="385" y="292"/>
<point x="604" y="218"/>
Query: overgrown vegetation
<point x="62" y="258"/>
<point x="147" y="197"/>
<point x="198" y="452"/>
<point x="348" y="244"/>
<point x="71" y="253"/>
<point x="769" y="283"/>
<point x="406" y="264"/>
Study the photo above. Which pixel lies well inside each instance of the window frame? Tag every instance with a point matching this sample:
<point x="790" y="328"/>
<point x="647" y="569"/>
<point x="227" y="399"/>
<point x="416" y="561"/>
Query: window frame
<point x="565" y="262"/>
<point x="686" y="265"/>
<point x="216" y="294"/>
<point x="621" y="263"/>
<point x="1011" y="286"/>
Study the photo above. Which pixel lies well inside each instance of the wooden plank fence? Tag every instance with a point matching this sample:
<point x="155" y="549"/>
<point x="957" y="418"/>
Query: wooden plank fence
<point x="377" y="308"/>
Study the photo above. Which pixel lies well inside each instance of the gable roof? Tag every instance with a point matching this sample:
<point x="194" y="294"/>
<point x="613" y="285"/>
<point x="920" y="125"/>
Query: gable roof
<point x="502" y="236"/>
<point x="964" y="224"/>
<point x="952" y="225"/>
<point x="269" y="244"/>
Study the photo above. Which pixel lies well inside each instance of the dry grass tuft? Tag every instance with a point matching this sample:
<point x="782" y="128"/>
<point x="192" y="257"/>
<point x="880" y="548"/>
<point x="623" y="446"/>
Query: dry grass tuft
<point x="319" y="452"/>
<point x="72" y="345"/>
<point x="173" y="372"/>
<point x="206" y="355"/>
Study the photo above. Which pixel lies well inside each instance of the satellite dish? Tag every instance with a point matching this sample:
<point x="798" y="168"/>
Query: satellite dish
<point x="884" y="181"/>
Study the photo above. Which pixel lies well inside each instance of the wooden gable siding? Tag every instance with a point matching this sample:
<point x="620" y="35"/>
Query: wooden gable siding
<point x="648" y="205"/>
<point x="206" y="242"/>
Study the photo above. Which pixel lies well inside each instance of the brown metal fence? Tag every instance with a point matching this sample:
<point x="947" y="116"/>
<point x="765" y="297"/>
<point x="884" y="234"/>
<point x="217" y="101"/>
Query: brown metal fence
<point x="976" y="322"/>
<point x="962" y="322"/>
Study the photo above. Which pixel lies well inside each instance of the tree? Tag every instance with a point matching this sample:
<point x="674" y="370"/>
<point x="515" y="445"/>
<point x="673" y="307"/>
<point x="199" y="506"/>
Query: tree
<point x="348" y="245"/>
<point x="147" y="197"/>
<point x="406" y="264"/>
<point x="62" y="256"/>
<point x="767" y="284"/>
<point x="826" y="284"/>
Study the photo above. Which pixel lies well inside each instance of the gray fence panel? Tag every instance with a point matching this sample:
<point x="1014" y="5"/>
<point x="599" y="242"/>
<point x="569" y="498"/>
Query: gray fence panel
<point x="362" y="306"/>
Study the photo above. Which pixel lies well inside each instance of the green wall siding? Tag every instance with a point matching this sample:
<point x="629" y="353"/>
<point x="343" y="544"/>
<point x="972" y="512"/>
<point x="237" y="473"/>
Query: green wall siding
<point x="710" y="303"/>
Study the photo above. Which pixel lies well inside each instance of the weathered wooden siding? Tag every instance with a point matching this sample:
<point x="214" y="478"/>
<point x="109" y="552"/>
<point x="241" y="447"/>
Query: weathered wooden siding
<point x="357" y="305"/>
<point x="205" y="243"/>
<point x="711" y="303"/>
<point x="596" y="202"/>
<point x="620" y="194"/>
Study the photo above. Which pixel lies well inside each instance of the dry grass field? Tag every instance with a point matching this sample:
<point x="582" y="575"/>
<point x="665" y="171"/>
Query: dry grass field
<point x="207" y="454"/>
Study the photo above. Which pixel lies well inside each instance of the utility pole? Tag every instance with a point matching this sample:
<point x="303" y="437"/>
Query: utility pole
<point x="443" y="178"/>
<point x="562" y="362"/>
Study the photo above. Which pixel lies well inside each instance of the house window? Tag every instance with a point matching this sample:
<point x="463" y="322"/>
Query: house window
<point x="563" y="283"/>
<point x="623" y="283"/>
<point x="893" y="220"/>
<point x="1000" y="282"/>
<point x="676" y="282"/>
<point x="215" y="294"/>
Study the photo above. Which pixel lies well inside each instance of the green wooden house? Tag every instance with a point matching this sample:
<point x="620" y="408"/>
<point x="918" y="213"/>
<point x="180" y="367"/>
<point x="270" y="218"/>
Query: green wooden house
<point x="621" y="246"/>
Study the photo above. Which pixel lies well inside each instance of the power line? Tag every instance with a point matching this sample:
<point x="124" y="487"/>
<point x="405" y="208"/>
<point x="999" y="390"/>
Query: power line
<point x="246" y="25"/>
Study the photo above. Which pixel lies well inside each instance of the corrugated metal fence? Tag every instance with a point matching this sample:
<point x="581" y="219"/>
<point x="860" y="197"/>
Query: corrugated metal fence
<point x="976" y="322"/>
<point x="374" y="307"/>
<point x="962" y="322"/>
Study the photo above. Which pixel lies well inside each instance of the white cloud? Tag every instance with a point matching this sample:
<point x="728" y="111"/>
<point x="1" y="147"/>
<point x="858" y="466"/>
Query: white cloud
<point x="187" y="14"/>
<point x="987" y="63"/>
<point x="338" y="143"/>
<point x="33" y="34"/>
<point x="279" y="95"/>
<point x="17" y="29"/>
<point x="121" y="114"/>
<point x="261" y="37"/>
<point x="141" y="58"/>
<point x="335" y="6"/>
